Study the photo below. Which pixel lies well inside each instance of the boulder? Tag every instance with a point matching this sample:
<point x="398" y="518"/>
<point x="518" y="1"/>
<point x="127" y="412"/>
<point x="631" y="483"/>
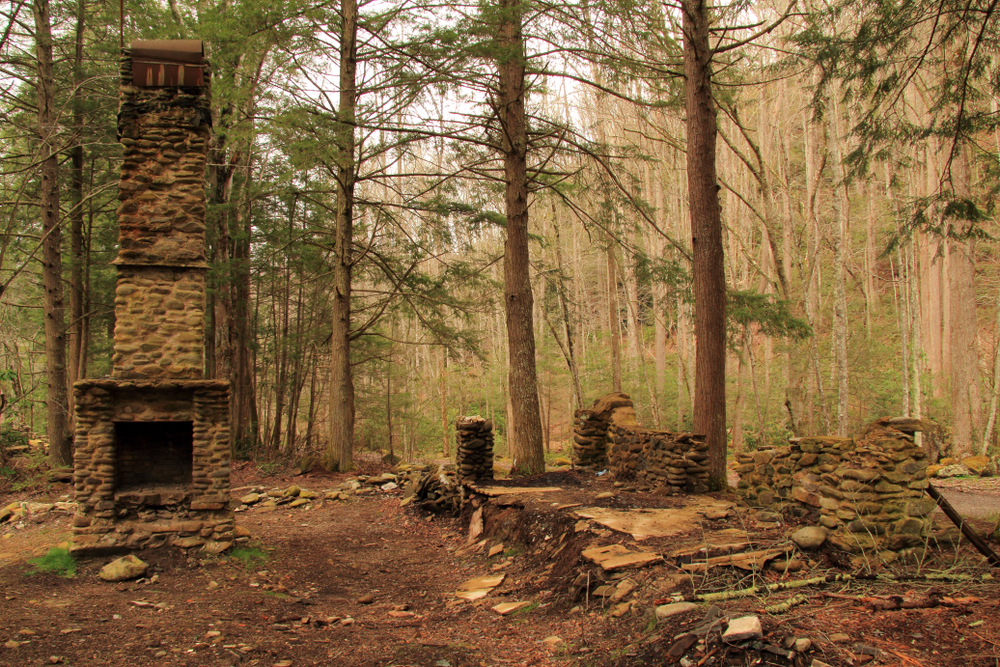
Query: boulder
<point x="809" y="537"/>
<point x="123" y="569"/>
<point x="977" y="464"/>
<point x="953" y="470"/>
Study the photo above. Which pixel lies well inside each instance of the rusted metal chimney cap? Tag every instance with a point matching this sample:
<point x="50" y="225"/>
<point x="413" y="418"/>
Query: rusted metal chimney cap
<point x="169" y="50"/>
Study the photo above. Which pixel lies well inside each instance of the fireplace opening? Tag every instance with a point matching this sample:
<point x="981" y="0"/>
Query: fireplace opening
<point x="153" y="455"/>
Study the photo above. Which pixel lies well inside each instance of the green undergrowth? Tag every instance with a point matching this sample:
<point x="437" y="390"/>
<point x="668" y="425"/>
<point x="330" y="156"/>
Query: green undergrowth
<point x="57" y="561"/>
<point x="250" y="556"/>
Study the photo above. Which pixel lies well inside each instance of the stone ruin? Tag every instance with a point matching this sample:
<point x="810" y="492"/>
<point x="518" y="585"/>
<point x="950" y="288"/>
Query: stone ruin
<point x="607" y="434"/>
<point x="151" y="447"/>
<point x="474" y="453"/>
<point x="868" y="492"/>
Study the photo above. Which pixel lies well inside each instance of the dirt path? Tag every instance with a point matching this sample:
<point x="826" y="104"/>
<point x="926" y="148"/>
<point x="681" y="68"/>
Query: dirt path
<point x="323" y="561"/>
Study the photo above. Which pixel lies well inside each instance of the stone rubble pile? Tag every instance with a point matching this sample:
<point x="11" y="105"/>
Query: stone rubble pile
<point x="474" y="455"/>
<point x="658" y="461"/>
<point x="869" y="493"/>
<point x="437" y="491"/>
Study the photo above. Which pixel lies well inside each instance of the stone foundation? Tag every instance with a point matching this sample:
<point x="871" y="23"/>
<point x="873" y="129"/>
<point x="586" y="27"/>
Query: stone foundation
<point x="474" y="453"/>
<point x="590" y="428"/>
<point x="868" y="492"/>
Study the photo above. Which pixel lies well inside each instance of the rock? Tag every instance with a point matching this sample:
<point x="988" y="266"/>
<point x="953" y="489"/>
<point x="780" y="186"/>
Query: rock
<point x="299" y="502"/>
<point x="507" y="608"/>
<point x="809" y="537"/>
<point x="367" y="598"/>
<point x="840" y="638"/>
<point x="292" y="491"/>
<point x="123" y="569"/>
<point x="768" y="517"/>
<point x="217" y="547"/>
<point x="781" y="565"/>
<point x="307" y="494"/>
<point x="802" y="644"/>
<point x="977" y="464"/>
<point x="188" y="542"/>
<point x="11" y="644"/>
<point x="620" y="609"/>
<point x="953" y="470"/>
<point x="604" y="495"/>
<point x="668" y="610"/>
<point x="561" y="461"/>
<point x="250" y="498"/>
<point x="743" y="628"/>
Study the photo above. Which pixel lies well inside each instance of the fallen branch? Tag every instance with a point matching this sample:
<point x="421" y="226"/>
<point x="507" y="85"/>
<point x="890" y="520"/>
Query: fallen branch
<point x="966" y="529"/>
<point x="891" y="602"/>
<point x="768" y="588"/>
<point x="782" y="607"/>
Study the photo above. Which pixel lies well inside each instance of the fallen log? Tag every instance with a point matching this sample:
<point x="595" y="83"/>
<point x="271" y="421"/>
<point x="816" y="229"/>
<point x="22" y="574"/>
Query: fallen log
<point x="966" y="529"/>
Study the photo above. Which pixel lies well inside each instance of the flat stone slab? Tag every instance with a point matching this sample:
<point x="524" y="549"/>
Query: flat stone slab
<point x="668" y="610"/>
<point x="742" y="629"/>
<point x="644" y="523"/>
<point x="480" y="587"/>
<point x="507" y="608"/>
<point x="615" y="557"/>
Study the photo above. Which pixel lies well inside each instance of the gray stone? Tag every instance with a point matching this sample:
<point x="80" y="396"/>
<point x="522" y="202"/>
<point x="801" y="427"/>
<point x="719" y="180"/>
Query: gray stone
<point x="743" y="628"/>
<point x="123" y="569"/>
<point x="955" y="470"/>
<point x="809" y="537"/>
<point x="668" y="610"/>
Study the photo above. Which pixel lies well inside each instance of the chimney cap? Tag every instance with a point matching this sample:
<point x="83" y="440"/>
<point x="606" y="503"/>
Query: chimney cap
<point x="169" y="50"/>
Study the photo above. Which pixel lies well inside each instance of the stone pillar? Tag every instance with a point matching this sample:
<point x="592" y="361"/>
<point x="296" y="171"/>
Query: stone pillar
<point x="474" y="454"/>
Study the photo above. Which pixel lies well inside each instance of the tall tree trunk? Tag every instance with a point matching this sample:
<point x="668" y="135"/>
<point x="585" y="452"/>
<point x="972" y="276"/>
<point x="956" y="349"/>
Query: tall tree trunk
<point x="526" y="437"/>
<point x="57" y="401"/>
<point x="838" y="203"/>
<point x="76" y="283"/>
<point x="614" y="316"/>
<point x="341" y="452"/>
<point x="966" y="410"/>
<point x="706" y="238"/>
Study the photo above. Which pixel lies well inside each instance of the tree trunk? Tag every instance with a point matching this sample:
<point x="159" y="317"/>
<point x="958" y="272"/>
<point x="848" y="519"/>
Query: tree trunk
<point x="341" y="452"/>
<point x="526" y="441"/>
<point x="838" y="203"/>
<point x="614" y="317"/>
<point x="706" y="237"/>
<point x="966" y="410"/>
<point x="76" y="282"/>
<point x="57" y="401"/>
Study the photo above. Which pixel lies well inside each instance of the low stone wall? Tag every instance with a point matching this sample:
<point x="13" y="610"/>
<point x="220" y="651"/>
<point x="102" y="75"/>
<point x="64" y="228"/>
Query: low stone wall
<point x="659" y="461"/>
<point x="869" y="492"/>
<point x="608" y="435"/>
<point x="474" y="454"/>
<point x="590" y="428"/>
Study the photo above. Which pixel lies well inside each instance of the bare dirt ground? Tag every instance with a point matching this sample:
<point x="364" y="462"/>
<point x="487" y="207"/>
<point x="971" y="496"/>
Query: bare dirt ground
<point x="308" y="602"/>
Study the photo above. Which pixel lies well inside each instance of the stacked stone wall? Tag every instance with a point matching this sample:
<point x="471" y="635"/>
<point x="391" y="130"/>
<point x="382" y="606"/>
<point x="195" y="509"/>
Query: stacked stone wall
<point x="608" y="435"/>
<point x="868" y="492"/>
<point x="659" y="461"/>
<point x="474" y="452"/>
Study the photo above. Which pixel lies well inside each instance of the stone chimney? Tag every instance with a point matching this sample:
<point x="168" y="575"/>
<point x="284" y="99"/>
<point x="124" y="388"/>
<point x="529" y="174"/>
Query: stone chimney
<point x="151" y="446"/>
<point x="160" y="298"/>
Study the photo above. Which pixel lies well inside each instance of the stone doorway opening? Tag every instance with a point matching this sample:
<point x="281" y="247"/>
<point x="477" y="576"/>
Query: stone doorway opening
<point x="153" y="455"/>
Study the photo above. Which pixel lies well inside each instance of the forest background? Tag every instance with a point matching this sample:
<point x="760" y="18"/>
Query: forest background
<point x="857" y="165"/>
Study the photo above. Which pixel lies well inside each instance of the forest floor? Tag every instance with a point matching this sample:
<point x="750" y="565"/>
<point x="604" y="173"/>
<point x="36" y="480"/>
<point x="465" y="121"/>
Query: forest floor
<point x="368" y="582"/>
